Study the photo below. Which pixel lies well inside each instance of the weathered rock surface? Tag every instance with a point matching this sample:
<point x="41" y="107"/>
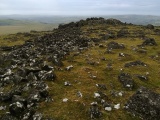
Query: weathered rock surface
<point x="114" y="45"/>
<point x="145" y="104"/>
<point x="135" y="63"/>
<point x="126" y="80"/>
<point x="123" y="33"/>
<point x="94" y="111"/>
<point x="149" y="41"/>
<point x="150" y="26"/>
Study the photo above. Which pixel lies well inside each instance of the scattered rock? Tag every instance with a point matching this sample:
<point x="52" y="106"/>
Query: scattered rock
<point x="96" y="95"/>
<point x="107" y="107"/>
<point x="65" y="99"/>
<point x="16" y="109"/>
<point x="99" y="96"/>
<point x="142" y="51"/>
<point x="94" y="111"/>
<point x="142" y="77"/>
<point x="6" y="48"/>
<point x="47" y="68"/>
<point x="117" y="93"/>
<point x="123" y="33"/>
<point x="18" y="98"/>
<point x="2" y="107"/>
<point x="79" y="94"/>
<point x="94" y="103"/>
<point x="67" y="83"/>
<point x="103" y="59"/>
<point x="37" y="116"/>
<point x="69" y="67"/>
<point x="101" y="46"/>
<point x="135" y="63"/>
<point x="123" y="55"/>
<point x="150" y="42"/>
<point x="8" y="117"/>
<point x="114" y="45"/>
<point x="150" y="26"/>
<point x="126" y="80"/>
<point x="49" y="76"/>
<point x="117" y="106"/>
<point x="101" y="86"/>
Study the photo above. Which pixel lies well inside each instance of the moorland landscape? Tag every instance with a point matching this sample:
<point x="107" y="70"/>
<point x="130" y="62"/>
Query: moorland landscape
<point x="94" y="68"/>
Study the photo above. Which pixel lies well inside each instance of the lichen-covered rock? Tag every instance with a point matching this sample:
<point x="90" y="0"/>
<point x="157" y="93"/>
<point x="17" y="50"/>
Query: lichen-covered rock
<point x="123" y="33"/>
<point x="150" y="42"/>
<point x="114" y="45"/>
<point x="8" y="117"/>
<point x="135" y="63"/>
<point x="150" y="26"/>
<point x="94" y="111"/>
<point x="145" y="104"/>
<point x="16" y="108"/>
<point x="126" y="80"/>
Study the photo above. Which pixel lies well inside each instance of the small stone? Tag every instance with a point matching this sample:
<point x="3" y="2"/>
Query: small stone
<point x="94" y="111"/>
<point x="65" y="99"/>
<point x="9" y="72"/>
<point x="101" y="86"/>
<point x="2" y="107"/>
<point x="69" y="67"/>
<point x="120" y="94"/>
<point x="117" y="106"/>
<point x="94" y="103"/>
<point x="97" y="95"/>
<point x="128" y="86"/>
<point x="37" y="116"/>
<point x="67" y="83"/>
<point x="108" y="108"/>
<point x="79" y="94"/>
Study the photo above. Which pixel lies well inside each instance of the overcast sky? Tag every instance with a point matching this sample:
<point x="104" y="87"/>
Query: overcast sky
<point x="80" y="7"/>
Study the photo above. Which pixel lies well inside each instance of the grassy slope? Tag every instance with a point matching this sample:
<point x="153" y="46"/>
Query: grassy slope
<point x="10" y="26"/>
<point x="79" y="76"/>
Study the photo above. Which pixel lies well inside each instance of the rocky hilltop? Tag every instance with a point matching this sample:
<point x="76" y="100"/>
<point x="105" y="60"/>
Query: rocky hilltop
<point x="91" y="69"/>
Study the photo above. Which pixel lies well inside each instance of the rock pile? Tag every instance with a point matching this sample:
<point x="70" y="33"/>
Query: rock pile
<point x="26" y="68"/>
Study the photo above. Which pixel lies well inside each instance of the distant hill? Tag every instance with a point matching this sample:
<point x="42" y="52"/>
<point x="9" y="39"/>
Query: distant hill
<point x="24" y="23"/>
<point x="135" y="19"/>
<point x="11" y="22"/>
<point x="138" y="19"/>
<point x="15" y="25"/>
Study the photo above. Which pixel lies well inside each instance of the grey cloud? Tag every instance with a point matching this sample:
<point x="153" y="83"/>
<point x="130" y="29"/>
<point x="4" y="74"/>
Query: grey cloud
<point x="79" y="7"/>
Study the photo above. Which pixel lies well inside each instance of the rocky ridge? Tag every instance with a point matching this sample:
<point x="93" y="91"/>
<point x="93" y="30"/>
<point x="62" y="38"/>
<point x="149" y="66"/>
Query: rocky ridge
<point x="25" y="71"/>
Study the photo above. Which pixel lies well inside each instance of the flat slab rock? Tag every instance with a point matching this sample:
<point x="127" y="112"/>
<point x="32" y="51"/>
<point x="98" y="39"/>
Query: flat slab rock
<point x="145" y="104"/>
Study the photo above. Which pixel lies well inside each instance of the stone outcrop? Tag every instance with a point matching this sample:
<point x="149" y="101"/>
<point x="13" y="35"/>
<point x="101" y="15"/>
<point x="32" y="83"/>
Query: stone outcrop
<point x="145" y="104"/>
